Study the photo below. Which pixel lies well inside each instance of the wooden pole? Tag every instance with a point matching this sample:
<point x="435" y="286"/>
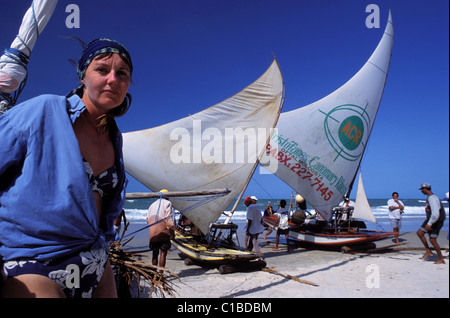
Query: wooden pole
<point x="174" y="194"/>
<point x="272" y="271"/>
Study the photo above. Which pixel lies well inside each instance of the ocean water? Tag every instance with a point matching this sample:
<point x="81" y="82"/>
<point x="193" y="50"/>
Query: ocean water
<point x="136" y="212"/>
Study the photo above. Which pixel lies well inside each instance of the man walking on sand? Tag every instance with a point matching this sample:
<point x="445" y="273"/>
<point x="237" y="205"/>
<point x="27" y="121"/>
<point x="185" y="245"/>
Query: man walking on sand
<point x="433" y="224"/>
<point x="254" y="225"/>
<point x="161" y="228"/>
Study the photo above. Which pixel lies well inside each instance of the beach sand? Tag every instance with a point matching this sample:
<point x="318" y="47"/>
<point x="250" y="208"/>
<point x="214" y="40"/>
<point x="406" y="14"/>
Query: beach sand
<point x="399" y="274"/>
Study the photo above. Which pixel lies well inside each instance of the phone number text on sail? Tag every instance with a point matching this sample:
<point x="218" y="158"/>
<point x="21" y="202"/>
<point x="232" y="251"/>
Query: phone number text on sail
<point x="309" y="172"/>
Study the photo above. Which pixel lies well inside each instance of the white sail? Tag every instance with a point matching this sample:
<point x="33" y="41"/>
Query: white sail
<point x="215" y="148"/>
<point x="33" y="23"/>
<point x="362" y="208"/>
<point x="320" y="145"/>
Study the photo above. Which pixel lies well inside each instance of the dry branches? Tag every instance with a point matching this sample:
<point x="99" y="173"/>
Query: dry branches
<point x="128" y="265"/>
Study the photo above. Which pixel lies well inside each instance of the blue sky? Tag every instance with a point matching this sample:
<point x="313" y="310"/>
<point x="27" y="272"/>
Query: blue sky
<point x="189" y="55"/>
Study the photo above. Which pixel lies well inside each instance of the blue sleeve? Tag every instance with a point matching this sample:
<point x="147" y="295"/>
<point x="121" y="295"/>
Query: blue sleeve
<point x="12" y="146"/>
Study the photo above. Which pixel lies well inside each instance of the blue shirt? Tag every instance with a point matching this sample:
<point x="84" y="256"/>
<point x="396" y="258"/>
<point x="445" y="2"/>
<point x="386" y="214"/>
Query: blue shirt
<point x="47" y="208"/>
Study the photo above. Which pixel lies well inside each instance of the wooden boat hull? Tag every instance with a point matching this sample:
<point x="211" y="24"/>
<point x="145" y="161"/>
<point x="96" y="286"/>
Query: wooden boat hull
<point x="202" y="254"/>
<point x="329" y="238"/>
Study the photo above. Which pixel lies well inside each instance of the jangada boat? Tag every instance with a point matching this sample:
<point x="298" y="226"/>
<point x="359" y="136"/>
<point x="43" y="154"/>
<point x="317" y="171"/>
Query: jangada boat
<point x="320" y="146"/>
<point x="320" y="232"/>
<point x="218" y="251"/>
<point x="191" y="154"/>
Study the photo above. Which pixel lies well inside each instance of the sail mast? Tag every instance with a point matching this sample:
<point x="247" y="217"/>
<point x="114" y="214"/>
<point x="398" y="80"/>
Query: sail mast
<point x="390" y="23"/>
<point x="175" y="194"/>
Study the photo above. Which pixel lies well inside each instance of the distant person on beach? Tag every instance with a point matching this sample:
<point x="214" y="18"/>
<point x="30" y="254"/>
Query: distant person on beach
<point x="435" y="220"/>
<point x="161" y="230"/>
<point x="63" y="181"/>
<point x="345" y="203"/>
<point x="283" y="224"/>
<point x="186" y="226"/>
<point x="299" y="215"/>
<point x="396" y="208"/>
<point x="254" y="223"/>
<point x="118" y="223"/>
<point x="446" y="198"/>
<point x="268" y="211"/>
<point x="254" y="200"/>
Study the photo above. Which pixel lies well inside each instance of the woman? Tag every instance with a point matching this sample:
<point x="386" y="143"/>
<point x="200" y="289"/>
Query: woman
<point x="63" y="182"/>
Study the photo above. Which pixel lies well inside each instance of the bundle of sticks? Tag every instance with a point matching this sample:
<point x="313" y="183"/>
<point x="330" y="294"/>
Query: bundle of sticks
<point x="129" y="266"/>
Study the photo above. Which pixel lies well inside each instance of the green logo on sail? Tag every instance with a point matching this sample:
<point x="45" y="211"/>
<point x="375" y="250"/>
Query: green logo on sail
<point x="346" y="127"/>
<point x="351" y="132"/>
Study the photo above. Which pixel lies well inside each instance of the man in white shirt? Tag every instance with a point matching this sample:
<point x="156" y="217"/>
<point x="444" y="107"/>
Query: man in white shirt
<point x="341" y="217"/>
<point x="433" y="224"/>
<point x="283" y="224"/>
<point x="254" y="223"/>
<point x="396" y="208"/>
<point x="161" y="228"/>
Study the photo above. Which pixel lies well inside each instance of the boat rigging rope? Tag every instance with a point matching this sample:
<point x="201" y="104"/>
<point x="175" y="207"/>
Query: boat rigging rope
<point x="16" y="57"/>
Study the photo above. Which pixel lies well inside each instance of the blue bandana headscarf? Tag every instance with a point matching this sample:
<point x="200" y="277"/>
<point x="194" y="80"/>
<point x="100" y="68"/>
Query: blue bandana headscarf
<point x="100" y="46"/>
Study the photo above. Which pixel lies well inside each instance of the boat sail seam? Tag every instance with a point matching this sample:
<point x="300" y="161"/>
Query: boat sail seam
<point x="383" y="71"/>
<point x="264" y="106"/>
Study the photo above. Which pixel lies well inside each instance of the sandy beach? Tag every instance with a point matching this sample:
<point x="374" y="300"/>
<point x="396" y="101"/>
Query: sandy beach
<point x="393" y="274"/>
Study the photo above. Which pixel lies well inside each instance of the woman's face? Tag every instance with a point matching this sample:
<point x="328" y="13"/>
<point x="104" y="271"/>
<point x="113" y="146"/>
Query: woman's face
<point x="106" y="83"/>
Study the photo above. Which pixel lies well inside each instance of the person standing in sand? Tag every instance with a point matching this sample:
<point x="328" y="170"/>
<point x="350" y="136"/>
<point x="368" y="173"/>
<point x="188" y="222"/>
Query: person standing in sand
<point x="161" y="228"/>
<point x="254" y="223"/>
<point x="396" y="208"/>
<point x="433" y="224"/>
<point x="283" y="224"/>
<point x="267" y="212"/>
<point x="341" y="217"/>
<point x="118" y="224"/>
